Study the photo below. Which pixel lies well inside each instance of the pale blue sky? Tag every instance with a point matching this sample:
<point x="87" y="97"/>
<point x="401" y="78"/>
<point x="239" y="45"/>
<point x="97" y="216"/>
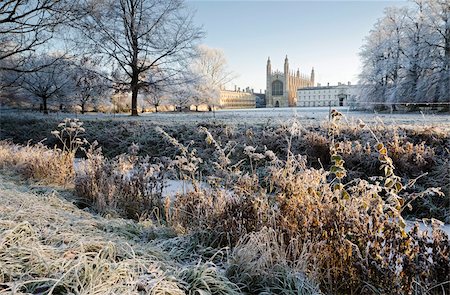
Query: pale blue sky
<point x="325" y="34"/>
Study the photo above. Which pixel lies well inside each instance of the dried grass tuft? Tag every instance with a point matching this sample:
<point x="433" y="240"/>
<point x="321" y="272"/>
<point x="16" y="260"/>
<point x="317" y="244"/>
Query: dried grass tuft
<point x="48" y="246"/>
<point x="37" y="162"/>
<point x="259" y="264"/>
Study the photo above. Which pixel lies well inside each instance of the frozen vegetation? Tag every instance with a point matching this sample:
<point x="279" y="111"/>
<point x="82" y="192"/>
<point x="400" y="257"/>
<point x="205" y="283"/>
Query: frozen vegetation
<point x="261" y="201"/>
<point x="287" y="205"/>
<point x="250" y="117"/>
<point x="406" y="56"/>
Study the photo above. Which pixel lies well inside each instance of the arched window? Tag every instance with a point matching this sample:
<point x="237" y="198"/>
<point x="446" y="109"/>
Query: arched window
<point x="277" y="88"/>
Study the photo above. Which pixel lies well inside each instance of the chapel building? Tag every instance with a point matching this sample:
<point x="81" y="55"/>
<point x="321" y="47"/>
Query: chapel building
<point x="281" y="87"/>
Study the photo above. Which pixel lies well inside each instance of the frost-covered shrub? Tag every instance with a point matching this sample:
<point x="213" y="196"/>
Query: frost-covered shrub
<point x="129" y="185"/>
<point x="352" y="231"/>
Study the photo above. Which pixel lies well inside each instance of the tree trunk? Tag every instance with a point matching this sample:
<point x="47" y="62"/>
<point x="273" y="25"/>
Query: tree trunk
<point x="446" y="96"/>
<point x="82" y="108"/>
<point x="44" y="101"/>
<point x="156" y="108"/>
<point x="134" y="93"/>
<point x="196" y="108"/>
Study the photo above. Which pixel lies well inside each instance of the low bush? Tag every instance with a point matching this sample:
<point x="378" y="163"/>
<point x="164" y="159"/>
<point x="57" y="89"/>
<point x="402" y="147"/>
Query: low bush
<point x="127" y="185"/>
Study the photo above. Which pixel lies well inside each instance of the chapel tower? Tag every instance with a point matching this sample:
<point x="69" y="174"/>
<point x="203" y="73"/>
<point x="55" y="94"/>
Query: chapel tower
<point x="281" y="87"/>
<point x="268" y="75"/>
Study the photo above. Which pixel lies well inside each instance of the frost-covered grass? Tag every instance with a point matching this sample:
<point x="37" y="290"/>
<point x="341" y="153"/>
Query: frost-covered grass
<point x="270" y="220"/>
<point x="250" y="117"/>
<point x="418" y="144"/>
<point x="49" y="246"/>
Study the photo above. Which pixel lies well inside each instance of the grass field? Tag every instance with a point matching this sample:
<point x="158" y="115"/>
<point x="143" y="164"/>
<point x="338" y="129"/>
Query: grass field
<point x="264" y="116"/>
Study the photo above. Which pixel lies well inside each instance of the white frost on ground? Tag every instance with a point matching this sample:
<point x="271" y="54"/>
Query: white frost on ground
<point x="265" y="116"/>
<point x="174" y="187"/>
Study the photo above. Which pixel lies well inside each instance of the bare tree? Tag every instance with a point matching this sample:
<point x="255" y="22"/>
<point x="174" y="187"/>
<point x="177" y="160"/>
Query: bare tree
<point x="211" y="68"/>
<point x="140" y="35"/>
<point x="181" y="97"/>
<point x="154" y="97"/>
<point x="156" y="88"/>
<point x="88" y="83"/>
<point x="48" y="82"/>
<point x="25" y="25"/>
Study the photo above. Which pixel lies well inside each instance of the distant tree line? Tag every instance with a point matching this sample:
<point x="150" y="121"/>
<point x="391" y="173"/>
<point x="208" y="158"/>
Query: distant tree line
<point x="120" y="55"/>
<point x="406" y="57"/>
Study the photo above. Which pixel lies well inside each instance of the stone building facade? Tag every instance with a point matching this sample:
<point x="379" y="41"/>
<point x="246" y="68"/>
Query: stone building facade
<point x="237" y="99"/>
<point x="281" y="87"/>
<point x="320" y="96"/>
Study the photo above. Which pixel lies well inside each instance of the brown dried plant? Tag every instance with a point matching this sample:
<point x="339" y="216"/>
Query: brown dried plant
<point x="353" y="231"/>
<point x="40" y="163"/>
<point x="127" y="185"/>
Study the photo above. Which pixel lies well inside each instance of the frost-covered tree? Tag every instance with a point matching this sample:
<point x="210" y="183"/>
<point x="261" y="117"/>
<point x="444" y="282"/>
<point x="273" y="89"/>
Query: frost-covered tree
<point x="405" y="57"/>
<point x="182" y="97"/>
<point x="211" y="70"/>
<point x="437" y="39"/>
<point x="138" y="36"/>
<point x="158" y="86"/>
<point x="155" y="97"/>
<point x="90" y="85"/>
<point x="49" y="82"/>
<point x="414" y="57"/>
<point x="376" y="58"/>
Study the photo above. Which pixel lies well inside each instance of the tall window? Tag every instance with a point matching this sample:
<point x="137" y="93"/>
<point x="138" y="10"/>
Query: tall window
<point x="277" y="88"/>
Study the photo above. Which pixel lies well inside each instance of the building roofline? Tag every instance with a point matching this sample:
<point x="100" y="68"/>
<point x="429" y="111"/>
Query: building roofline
<point x="326" y="87"/>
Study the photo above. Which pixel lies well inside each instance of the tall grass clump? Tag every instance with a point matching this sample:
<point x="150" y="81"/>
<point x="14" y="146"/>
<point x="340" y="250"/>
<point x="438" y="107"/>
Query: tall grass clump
<point x="43" y="164"/>
<point x="127" y="185"/>
<point x="259" y="264"/>
<point x="206" y="278"/>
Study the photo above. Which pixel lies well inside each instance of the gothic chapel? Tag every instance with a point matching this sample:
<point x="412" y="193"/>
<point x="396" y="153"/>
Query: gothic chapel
<point x="282" y="87"/>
